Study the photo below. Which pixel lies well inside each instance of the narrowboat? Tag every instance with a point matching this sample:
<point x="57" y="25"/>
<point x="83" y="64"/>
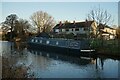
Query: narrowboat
<point x="59" y="45"/>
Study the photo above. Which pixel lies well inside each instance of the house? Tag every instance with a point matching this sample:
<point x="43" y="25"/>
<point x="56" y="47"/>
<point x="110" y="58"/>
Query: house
<point x="86" y="27"/>
<point x="75" y="28"/>
<point x="107" y="32"/>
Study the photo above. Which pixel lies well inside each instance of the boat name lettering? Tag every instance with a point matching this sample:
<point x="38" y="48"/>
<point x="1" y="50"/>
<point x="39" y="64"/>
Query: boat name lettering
<point x="73" y="44"/>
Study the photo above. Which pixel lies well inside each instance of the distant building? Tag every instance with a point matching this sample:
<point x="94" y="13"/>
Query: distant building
<point x="107" y="32"/>
<point x="86" y="27"/>
<point x="76" y="27"/>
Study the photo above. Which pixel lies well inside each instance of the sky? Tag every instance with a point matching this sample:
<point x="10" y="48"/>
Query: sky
<point x="59" y="0"/>
<point x="61" y="11"/>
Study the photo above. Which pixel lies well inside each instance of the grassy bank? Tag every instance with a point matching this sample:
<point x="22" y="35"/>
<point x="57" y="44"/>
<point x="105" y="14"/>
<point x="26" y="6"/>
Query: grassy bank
<point x="106" y="47"/>
<point x="10" y="70"/>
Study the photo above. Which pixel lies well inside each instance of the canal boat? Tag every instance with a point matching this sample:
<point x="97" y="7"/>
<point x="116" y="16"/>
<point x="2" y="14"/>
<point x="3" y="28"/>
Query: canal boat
<point x="67" y="46"/>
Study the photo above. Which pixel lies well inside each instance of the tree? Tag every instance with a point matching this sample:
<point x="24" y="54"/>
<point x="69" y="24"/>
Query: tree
<point x="100" y="16"/>
<point x="21" y="26"/>
<point x="17" y="26"/>
<point x="10" y="22"/>
<point x="43" y="21"/>
<point x="4" y="27"/>
<point x="118" y="32"/>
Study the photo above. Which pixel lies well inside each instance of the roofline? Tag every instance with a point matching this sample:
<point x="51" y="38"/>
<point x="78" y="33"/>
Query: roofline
<point x="70" y="23"/>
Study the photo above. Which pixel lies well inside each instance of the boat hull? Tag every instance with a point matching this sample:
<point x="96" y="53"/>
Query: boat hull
<point x="53" y="49"/>
<point x="61" y="50"/>
<point x="63" y="46"/>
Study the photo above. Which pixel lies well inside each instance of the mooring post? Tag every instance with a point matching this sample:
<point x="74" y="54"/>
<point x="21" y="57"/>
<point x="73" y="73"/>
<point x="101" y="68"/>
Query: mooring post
<point x="96" y="64"/>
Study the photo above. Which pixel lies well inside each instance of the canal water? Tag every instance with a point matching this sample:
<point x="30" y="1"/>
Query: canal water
<point x="53" y="65"/>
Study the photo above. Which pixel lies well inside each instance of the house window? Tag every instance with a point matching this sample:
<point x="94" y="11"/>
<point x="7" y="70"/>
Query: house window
<point x="72" y="29"/>
<point x="76" y="29"/>
<point x="36" y="40"/>
<point x="57" y="30"/>
<point x="67" y="29"/>
<point x="85" y="29"/>
<point x="32" y="40"/>
<point x="60" y="30"/>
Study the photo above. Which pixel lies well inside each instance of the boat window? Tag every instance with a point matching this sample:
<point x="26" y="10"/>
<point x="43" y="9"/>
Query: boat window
<point x="36" y="40"/>
<point x="32" y="40"/>
<point x="40" y="41"/>
<point x="57" y="43"/>
<point x="47" y="42"/>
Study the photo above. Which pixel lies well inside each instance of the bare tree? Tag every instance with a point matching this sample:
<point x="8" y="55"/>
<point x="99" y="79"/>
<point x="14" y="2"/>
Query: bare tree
<point x="43" y="21"/>
<point x="100" y="16"/>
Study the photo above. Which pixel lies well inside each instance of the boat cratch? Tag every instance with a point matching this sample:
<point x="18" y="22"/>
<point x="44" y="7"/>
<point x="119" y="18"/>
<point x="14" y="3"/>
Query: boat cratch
<point x="67" y="46"/>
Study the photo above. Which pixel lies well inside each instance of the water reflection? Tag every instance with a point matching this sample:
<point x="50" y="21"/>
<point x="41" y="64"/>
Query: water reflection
<point x="78" y="67"/>
<point x="5" y="47"/>
<point x="55" y="65"/>
<point x="119" y="69"/>
<point x="73" y="60"/>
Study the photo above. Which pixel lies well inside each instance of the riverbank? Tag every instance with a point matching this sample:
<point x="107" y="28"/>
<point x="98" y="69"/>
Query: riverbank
<point x="109" y="52"/>
<point x="11" y="70"/>
<point x="106" y="47"/>
<point x="109" y="55"/>
<point x="39" y="64"/>
<point x="102" y="47"/>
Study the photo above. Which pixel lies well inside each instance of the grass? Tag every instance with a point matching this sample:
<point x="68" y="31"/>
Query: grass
<point x="111" y="47"/>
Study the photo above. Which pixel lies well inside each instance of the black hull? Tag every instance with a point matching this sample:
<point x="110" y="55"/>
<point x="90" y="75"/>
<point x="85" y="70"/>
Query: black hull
<point x="61" y="50"/>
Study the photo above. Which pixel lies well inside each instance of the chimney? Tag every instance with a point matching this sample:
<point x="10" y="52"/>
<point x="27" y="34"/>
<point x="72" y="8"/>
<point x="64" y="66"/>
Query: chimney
<point x="86" y="23"/>
<point x="66" y="21"/>
<point x="60" y="23"/>
<point x="86" y="20"/>
<point x="74" y="21"/>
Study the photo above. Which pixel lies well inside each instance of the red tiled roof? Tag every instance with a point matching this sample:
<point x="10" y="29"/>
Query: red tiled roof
<point x="101" y="26"/>
<point x="73" y="25"/>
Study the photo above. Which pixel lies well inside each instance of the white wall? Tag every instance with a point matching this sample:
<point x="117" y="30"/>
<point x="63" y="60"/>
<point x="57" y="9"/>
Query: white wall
<point x="56" y="30"/>
<point x="81" y="31"/>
